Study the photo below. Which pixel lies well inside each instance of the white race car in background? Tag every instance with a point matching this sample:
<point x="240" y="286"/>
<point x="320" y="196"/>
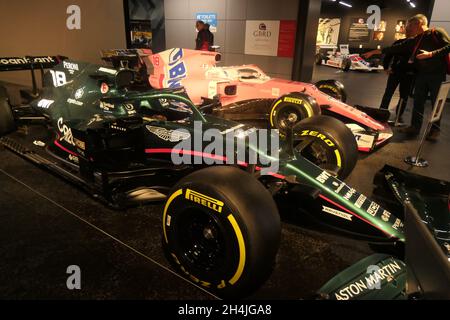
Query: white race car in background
<point x="345" y="61"/>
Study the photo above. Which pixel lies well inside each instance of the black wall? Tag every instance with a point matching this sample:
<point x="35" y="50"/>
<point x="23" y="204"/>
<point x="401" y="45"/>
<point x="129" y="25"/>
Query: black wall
<point x="391" y="11"/>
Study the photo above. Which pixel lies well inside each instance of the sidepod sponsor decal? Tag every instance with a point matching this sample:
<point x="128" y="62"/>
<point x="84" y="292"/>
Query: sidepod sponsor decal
<point x="337" y="213"/>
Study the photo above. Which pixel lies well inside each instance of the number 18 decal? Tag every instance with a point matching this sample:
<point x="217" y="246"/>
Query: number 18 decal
<point x="59" y="78"/>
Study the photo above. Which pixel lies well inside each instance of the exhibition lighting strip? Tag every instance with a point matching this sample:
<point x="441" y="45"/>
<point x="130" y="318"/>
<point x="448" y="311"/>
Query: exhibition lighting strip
<point x="412" y="4"/>
<point x="345" y="4"/>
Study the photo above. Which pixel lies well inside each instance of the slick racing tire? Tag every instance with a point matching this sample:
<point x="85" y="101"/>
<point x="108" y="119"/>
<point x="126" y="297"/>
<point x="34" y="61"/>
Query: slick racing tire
<point x="332" y="88"/>
<point x="328" y="143"/>
<point x="221" y="236"/>
<point x="291" y="108"/>
<point x="318" y="59"/>
<point x="3" y="92"/>
<point x="346" y="64"/>
<point x="6" y="117"/>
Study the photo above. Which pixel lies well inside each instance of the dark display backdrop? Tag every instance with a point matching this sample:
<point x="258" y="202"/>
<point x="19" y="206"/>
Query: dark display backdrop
<point x="144" y="22"/>
<point x="391" y="13"/>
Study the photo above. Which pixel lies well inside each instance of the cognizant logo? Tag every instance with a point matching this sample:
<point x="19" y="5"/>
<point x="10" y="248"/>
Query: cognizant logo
<point x="177" y="68"/>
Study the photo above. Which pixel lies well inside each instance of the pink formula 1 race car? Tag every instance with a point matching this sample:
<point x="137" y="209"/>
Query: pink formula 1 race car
<point x="246" y="94"/>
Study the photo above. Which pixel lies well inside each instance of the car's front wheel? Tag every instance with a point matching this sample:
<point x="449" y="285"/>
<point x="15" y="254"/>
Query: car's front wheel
<point x="6" y="117"/>
<point x="332" y="88"/>
<point x="292" y="108"/>
<point x="328" y="143"/>
<point x="346" y="64"/>
<point x="221" y="230"/>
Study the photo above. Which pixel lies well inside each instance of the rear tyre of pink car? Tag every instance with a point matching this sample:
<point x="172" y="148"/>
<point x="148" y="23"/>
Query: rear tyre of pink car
<point x="292" y="108"/>
<point x="328" y="143"/>
<point x="332" y="88"/>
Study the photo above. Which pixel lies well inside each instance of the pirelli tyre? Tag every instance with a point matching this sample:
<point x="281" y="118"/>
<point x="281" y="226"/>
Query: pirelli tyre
<point x="6" y="117"/>
<point x="219" y="235"/>
<point x="328" y="143"/>
<point x="346" y="64"/>
<point x="291" y="108"/>
<point x="332" y="88"/>
<point x="3" y="92"/>
<point x="318" y="59"/>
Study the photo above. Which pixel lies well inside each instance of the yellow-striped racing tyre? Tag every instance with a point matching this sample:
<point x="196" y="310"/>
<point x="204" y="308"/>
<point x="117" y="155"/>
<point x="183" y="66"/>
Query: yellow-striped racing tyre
<point x="332" y="88"/>
<point x="221" y="230"/>
<point x="328" y="143"/>
<point x="6" y="117"/>
<point x="291" y="108"/>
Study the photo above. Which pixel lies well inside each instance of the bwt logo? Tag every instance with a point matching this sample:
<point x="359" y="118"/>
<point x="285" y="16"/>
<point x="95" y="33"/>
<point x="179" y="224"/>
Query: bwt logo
<point x="177" y="68"/>
<point x="262" y="31"/>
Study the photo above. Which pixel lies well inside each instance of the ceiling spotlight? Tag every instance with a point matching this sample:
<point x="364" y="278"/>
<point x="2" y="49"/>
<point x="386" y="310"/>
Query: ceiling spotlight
<point x="345" y="4"/>
<point x="412" y="4"/>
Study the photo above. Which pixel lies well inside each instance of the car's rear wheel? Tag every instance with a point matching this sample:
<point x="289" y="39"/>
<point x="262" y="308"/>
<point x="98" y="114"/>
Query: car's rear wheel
<point x="319" y="58"/>
<point x="332" y="88"/>
<point x="3" y="92"/>
<point x="346" y="64"/>
<point x="6" y="117"/>
<point x="291" y="108"/>
<point x="328" y="143"/>
<point x="219" y="236"/>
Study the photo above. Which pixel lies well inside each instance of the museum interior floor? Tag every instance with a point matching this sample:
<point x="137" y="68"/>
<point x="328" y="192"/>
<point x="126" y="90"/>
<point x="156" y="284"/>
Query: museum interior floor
<point x="47" y="225"/>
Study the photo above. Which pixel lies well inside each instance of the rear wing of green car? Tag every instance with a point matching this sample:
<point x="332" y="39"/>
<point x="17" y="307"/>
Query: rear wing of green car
<point x="31" y="63"/>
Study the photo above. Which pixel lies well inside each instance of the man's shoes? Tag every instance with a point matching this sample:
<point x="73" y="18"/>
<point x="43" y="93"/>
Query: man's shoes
<point x="433" y="135"/>
<point x="410" y="131"/>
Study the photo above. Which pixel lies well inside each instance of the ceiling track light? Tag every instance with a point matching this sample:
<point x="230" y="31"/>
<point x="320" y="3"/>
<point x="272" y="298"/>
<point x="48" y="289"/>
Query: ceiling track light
<point x="345" y="4"/>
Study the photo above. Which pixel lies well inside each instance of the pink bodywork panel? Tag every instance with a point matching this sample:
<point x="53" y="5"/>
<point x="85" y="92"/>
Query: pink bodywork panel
<point x="198" y="73"/>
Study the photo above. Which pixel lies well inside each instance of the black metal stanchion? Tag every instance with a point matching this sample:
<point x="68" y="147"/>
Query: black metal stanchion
<point x="396" y="122"/>
<point x="398" y="113"/>
<point x="435" y="116"/>
<point x="416" y="160"/>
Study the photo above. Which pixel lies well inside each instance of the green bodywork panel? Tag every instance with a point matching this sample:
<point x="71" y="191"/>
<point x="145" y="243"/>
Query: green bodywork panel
<point x="377" y="277"/>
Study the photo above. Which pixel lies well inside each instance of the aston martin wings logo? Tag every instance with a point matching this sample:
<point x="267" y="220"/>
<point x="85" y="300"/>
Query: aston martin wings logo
<point x="169" y="135"/>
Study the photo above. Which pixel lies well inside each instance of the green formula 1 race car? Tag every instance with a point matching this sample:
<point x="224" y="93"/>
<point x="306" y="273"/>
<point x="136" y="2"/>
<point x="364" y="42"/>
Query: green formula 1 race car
<point x="221" y="226"/>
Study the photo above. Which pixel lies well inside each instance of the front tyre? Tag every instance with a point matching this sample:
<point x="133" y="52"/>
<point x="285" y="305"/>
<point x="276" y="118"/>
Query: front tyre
<point x="318" y="59"/>
<point x="291" y="108"/>
<point x="346" y="64"/>
<point x="328" y="143"/>
<point x="219" y="235"/>
<point x="6" y="117"/>
<point x="332" y="88"/>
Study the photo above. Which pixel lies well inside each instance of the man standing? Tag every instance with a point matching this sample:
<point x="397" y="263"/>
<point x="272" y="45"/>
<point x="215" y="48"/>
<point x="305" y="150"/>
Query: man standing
<point x="204" y="39"/>
<point x="401" y="74"/>
<point x="427" y="52"/>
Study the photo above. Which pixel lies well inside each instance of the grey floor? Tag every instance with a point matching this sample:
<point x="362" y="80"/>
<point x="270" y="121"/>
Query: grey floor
<point x="47" y="225"/>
